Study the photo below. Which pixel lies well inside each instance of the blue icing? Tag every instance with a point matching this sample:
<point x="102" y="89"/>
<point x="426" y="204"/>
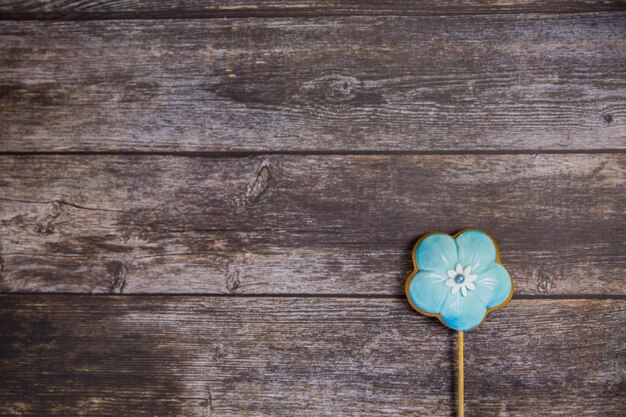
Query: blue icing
<point x="503" y="284"/>
<point x="436" y="252"/>
<point x="458" y="279"/>
<point x="428" y="292"/>
<point x="463" y="313"/>
<point x="476" y="249"/>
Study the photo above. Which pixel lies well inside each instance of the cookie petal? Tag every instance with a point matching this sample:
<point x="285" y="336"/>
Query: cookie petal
<point x="436" y="253"/>
<point x="428" y="292"/>
<point x="463" y="313"/>
<point x="493" y="286"/>
<point x="475" y="249"/>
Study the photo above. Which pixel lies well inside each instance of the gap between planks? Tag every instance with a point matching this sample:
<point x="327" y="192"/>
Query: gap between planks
<point x="257" y="153"/>
<point x="300" y="6"/>
<point x="564" y="297"/>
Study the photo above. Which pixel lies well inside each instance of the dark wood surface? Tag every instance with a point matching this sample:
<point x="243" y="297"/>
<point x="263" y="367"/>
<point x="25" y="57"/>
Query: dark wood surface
<point x="111" y="9"/>
<point x="241" y="184"/>
<point x="199" y="356"/>
<point x="356" y="83"/>
<point x="293" y="224"/>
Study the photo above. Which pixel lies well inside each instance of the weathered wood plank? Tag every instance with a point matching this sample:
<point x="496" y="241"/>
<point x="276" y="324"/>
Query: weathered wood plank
<point x="198" y="8"/>
<point x="303" y="224"/>
<point x="199" y="356"/>
<point x="504" y="82"/>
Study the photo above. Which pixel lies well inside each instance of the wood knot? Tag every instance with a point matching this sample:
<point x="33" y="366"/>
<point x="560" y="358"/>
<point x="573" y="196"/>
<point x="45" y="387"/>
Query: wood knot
<point x="334" y="88"/>
<point x="340" y="89"/>
<point x="343" y="85"/>
<point x="260" y="183"/>
<point x="46" y="226"/>
<point x="544" y="282"/>
<point x="118" y="272"/>
<point x="608" y="118"/>
<point x="597" y="170"/>
<point x="232" y="278"/>
<point x="209" y="400"/>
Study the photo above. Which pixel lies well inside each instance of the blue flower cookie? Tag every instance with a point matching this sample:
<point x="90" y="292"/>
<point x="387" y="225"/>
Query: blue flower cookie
<point x="458" y="279"/>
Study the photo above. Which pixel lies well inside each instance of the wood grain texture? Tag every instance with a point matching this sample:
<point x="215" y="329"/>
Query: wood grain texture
<point x="199" y="356"/>
<point x="303" y="224"/>
<point x="431" y="83"/>
<point x="199" y="8"/>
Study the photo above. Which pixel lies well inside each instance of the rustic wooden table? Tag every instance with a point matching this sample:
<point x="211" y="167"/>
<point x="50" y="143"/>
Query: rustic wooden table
<point x="207" y="208"/>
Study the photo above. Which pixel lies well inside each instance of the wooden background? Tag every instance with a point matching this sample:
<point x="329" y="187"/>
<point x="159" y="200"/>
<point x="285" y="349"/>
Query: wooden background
<point x="207" y="208"/>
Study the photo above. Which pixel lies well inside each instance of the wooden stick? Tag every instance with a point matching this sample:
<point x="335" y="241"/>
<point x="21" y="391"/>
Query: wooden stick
<point x="460" y="386"/>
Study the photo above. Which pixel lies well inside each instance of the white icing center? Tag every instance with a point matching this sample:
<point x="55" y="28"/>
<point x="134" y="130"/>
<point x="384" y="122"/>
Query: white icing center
<point x="461" y="279"/>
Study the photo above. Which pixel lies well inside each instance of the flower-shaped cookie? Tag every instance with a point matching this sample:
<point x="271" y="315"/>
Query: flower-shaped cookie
<point x="458" y="279"/>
